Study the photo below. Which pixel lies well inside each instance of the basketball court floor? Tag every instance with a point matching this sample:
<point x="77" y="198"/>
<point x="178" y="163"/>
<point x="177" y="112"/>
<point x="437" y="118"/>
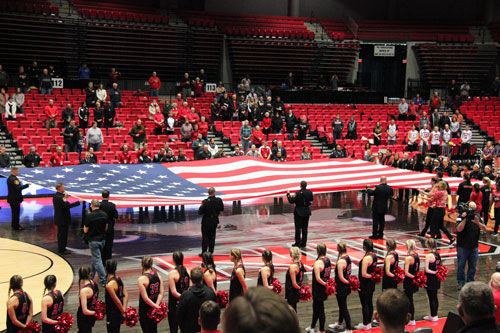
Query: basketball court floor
<point x="253" y="226"/>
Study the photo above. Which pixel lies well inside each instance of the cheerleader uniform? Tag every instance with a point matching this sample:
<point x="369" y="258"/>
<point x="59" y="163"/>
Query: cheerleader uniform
<point x="235" y="287"/>
<point x="153" y="290"/>
<point x="22" y="311"/>
<point x="366" y="289"/>
<point x="182" y="285"/>
<point x="424" y="134"/>
<point x="413" y="135"/>
<point x="319" y="295"/>
<point x="409" y="286"/>
<point x="85" y="322"/>
<point x="433" y="284"/>
<point x="114" y="317"/>
<point x="389" y="282"/>
<point x="292" y="294"/>
<point x="342" y="291"/>
<point x="435" y="140"/>
<point x="53" y="311"/>
<point x="485" y="203"/>
<point x="269" y="279"/>
<point x="213" y="269"/>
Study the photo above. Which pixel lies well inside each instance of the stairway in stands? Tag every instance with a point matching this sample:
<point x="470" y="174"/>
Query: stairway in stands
<point x="15" y="153"/>
<point x="320" y="34"/>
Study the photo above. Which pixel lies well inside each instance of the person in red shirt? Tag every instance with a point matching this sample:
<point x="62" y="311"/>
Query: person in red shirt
<point x="198" y="87"/>
<point x="175" y="112"/>
<point x="195" y="132"/>
<point x="51" y="114"/>
<point x="435" y="101"/>
<point x="495" y="288"/>
<point x="266" y="124"/>
<point x="203" y="126"/>
<point x="184" y="111"/>
<point x="192" y="116"/>
<point x="154" y="85"/>
<point x="143" y="149"/>
<point x="412" y="111"/>
<point x="265" y="151"/>
<point x="123" y="155"/>
<point x="258" y="136"/>
<point x="477" y="197"/>
<point x="57" y="158"/>
<point x="178" y="100"/>
<point x="159" y="120"/>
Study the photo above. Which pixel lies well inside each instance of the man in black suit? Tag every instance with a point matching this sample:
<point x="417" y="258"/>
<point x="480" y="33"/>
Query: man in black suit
<point x="62" y="216"/>
<point x="15" y="197"/>
<point x="110" y="209"/>
<point x="210" y="208"/>
<point x="302" y="200"/>
<point x="381" y="194"/>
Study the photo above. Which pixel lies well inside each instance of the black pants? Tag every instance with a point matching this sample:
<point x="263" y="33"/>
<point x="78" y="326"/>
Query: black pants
<point x="318" y="313"/>
<point x="301" y="225"/>
<point x="208" y="238"/>
<point x="409" y="294"/>
<point x="378" y="224"/>
<point x="172" y="318"/>
<point x="402" y="116"/>
<point x="107" y="251"/>
<point x="62" y="237"/>
<point x="292" y="304"/>
<point x="497" y="219"/>
<point x="486" y="213"/>
<point x="366" y="299"/>
<point x="438" y="223"/>
<point x="344" y="311"/>
<point x="113" y="325"/>
<point x="148" y="325"/>
<point x="433" y="301"/>
<point x="158" y="130"/>
<point x="435" y="149"/>
<point x="428" y="221"/>
<point x="465" y="149"/>
<point x="15" y="207"/>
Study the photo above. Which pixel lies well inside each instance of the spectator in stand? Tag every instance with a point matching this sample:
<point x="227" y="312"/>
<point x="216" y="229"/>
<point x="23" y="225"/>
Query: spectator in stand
<point x="352" y="129"/>
<point x="279" y="148"/>
<point x="57" y="158"/>
<point x="445" y="167"/>
<point x="338" y="126"/>
<point x="419" y="101"/>
<point x="215" y="109"/>
<point x="154" y="108"/>
<point x="34" y="73"/>
<point x="98" y="114"/>
<point x="193" y="116"/>
<point x="138" y="134"/>
<point x="84" y="75"/>
<point x="455" y="127"/>
<point x="237" y="151"/>
<point x="124" y="156"/>
<point x="170" y="124"/>
<point x="115" y="96"/>
<point x="446" y="139"/>
<point x="203" y="77"/>
<point x="10" y="109"/>
<point x="45" y="83"/>
<point x="465" y="90"/>
<point x="377" y="134"/>
<point x="338" y="152"/>
<point x="19" y="99"/>
<point x="487" y="154"/>
<point x="32" y="159"/>
<point x="334" y="82"/>
<point x="253" y="152"/>
<point x="444" y="120"/>
<point x="71" y="137"/>
<point x="495" y="87"/>
<point x="403" y="110"/>
<point x="198" y="145"/>
<point x="268" y="105"/>
<point x="94" y="137"/>
<point x="159" y="121"/>
<point x="290" y="121"/>
<point x="164" y="156"/>
<point x="22" y="79"/>
<point x="197" y="87"/>
<point x="67" y="115"/>
<point x="305" y="156"/>
<point x="265" y="151"/>
<point x="424" y="120"/>
<point x="488" y="173"/>
<point x="279" y="106"/>
<point x="101" y="94"/>
<point x="393" y="311"/>
<point x="203" y="127"/>
<point x="424" y="135"/>
<point x="204" y="154"/>
<point x="258" y="136"/>
<point x="87" y="159"/>
<point x="52" y="72"/>
<point x="184" y="110"/>
<point x="455" y="171"/>
<point x="109" y="115"/>
<point x="90" y="95"/>
<point x="289" y="81"/>
<point x="4" y="158"/>
<point x="185" y="84"/>
<point x="246" y="135"/>
<point x="466" y="137"/>
<point x="181" y="157"/>
<point x="243" y="112"/>
<point x="278" y="157"/>
<point x="322" y="83"/>
<point x="186" y="131"/>
<point x="392" y="133"/>
<point x="302" y="129"/>
<point x="435" y="102"/>
<point x="154" y="85"/>
<point x="453" y="89"/>
<point x="412" y="139"/>
<point x="51" y="113"/>
<point x="212" y="146"/>
<point x="435" y="140"/>
<point x="114" y="76"/>
<point x="277" y="124"/>
<point x="412" y="111"/>
<point x="83" y="116"/>
<point x="144" y="157"/>
<point x="435" y="118"/>
<point x="476" y="306"/>
<point x="266" y="124"/>
<point x="367" y="156"/>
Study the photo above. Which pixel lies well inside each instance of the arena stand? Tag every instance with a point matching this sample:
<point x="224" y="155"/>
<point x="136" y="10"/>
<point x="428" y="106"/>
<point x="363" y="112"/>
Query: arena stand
<point x="484" y="112"/>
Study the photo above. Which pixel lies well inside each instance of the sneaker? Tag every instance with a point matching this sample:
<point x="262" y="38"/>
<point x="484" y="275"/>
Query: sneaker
<point x="494" y="235"/>
<point x="310" y="330"/>
<point x="411" y="323"/>
<point x="375" y="322"/>
<point x="336" y="326"/>
<point x="361" y="327"/>
<point x="430" y="318"/>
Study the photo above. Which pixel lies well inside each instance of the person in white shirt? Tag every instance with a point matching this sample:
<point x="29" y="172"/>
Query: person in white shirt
<point x="455" y="127"/>
<point x="94" y="137"/>
<point x="101" y="94"/>
<point x="19" y="99"/>
<point x="153" y="108"/>
<point x="435" y="140"/>
<point x="212" y="147"/>
<point x="403" y="110"/>
<point x="466" y="136"/>
<point x="170" y="123"/>
<point x="10" y="109"/>
<point x="265" y="151"/>
<point x="445" y="144"/>
<point x="392" y="132"/>
<point x="424" y="134"/>
<point x="413" y="139"/>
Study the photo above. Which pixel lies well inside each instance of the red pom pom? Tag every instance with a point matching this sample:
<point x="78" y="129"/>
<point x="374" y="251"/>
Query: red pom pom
<point x="399" y="274"/>
<point x="32" y="327"/>
<point x="222" y="298"/>
<point x="276" y="286"/>
<point x="158" y="314"/>
<point x="131" y="317"/>
<point x="441" y="272"/>
<point x="420" y="279"/>
<point x="330" y="287"/>
<point x="100" y="310"/>
<point x="376" y="275"/>
<point x="305" y="293"/>
<point x="64" y="323"/>
<point x="354" y="283"/>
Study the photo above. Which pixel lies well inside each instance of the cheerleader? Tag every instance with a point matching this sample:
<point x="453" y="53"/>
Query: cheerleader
<point x="116" y="298"/>
<point x="439" y="200"/>
<point x="294" y="276"/>
<point x="178" y="282"/>
<point x="343" y="288"/>
<point x="390" y="264"/>
<point x="89" y="294"/>
<point x="366" y="285"/>
<point x="321" y="274"/>
<point x="412" y="265"/>
<point x="266" y="273"/>
<point x="432" y="260"/>
<point x="150" y="287"/>
<point x="237" y="286"/>
<point x="19" y="306"/>
<point x="209" y="272"/>
<point x="52" y="304"/>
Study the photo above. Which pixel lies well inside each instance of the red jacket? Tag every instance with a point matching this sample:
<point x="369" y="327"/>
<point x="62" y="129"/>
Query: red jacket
<point x="193" y="117"/>
<point x="124" y="158"/>
<point x="154" y="83"/>
<point x="478" y="199"/>
<point x="203" y="127"/>
<point x="51" y="111"/>
<point x="198" y="88"/>
<point x="258" y="136"/>
<point x="194" y="135"/>
<point x="266" y="122"/>
<point x="56" y="159"/>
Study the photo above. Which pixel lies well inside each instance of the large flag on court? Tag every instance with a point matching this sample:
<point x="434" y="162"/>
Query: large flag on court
<point x="236" y="178"/>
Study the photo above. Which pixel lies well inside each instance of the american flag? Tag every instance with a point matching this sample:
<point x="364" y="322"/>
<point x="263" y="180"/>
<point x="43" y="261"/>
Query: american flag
<point x="236" y="178"/>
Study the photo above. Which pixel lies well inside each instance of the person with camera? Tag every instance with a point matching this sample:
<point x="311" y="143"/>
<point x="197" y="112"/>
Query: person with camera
<point x="468" y="230"/>
<point x="302" y="200"/>
<point x="210" y="208"/>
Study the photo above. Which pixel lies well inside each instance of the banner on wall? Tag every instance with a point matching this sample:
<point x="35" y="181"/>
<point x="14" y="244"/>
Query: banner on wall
<point x="384" y="50"/>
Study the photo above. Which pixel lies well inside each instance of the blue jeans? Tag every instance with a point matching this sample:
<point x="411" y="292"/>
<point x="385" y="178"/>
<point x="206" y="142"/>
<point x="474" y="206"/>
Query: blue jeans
<point x="469" y="256"/>
<point x="153" y="92"/>
<point x="96" y="250"/>
<point x="46" y="91"/>
<point x="96" y="146"/>
<point x="245" y="144"/>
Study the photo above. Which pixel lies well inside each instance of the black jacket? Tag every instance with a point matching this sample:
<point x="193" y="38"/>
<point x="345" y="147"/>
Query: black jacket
<point x="277" y="124"/>
<point x="32" y="160"/>
<point x="302" y="200"/>
<point x="274" y="152"/>
<point x="480" y="326"/>
<point x="62" y="215"/>
<point x="210" y="208"/>
<point x="68" y="139"/>
<point x="464" y="191"/>
<point x="14" y="190"/>
<point x="4" y="161"/>
<point x="381" y="194"/>
<point x="67" y="115"/>
<point x="110" y="209"/>
<point x="290" y="121"/>
<point x="189" y="307"/>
